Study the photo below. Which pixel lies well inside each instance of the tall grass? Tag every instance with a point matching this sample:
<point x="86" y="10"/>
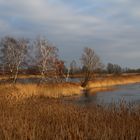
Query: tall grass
<point x="28" y="113"/>
<point x="19" y="92"/>
<point x="114" y="80"/>
<point x="40" y="118"/>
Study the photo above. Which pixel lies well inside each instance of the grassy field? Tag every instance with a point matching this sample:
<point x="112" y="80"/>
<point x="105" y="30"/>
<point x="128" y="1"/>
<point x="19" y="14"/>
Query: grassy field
<point x="40" y="118"/>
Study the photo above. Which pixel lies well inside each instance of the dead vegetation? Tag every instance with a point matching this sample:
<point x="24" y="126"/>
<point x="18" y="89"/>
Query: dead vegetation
<point x="20" y="92"/>
<point x="40" y="118"/>
<point x="114" y="80"/>
<point x="28" y="112"/>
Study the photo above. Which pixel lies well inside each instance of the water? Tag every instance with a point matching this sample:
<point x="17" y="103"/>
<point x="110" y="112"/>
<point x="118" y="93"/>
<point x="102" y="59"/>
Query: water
<point x="124" y="93"/>
<point x="36" y="80"/>
<point x="128" y="93"/>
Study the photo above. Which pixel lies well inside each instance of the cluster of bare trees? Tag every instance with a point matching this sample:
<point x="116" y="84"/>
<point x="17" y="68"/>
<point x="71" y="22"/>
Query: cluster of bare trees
<point x="114" y="69"/>
<point x="50" y="66"/>
<point x="117" y="69"/>
<point x="14" y="53"/>
<point x="18" y="54"/>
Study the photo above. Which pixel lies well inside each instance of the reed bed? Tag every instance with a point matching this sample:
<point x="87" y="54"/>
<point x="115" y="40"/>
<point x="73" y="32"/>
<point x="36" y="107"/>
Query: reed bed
<point x="113" y="81"/>
<point x="40" y="118"/>
<point x="32" y="112"/>
<point x="22" y="91"/>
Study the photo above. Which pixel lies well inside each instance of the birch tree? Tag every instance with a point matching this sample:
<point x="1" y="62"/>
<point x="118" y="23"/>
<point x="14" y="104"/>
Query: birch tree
<point x="13" y="53"/>
<point x="50" y="66"/>
<point x="73" y="67"/>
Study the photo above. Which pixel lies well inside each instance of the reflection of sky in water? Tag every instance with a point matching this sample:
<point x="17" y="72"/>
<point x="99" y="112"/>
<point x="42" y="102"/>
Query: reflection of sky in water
<point x="128" y="93"/>
<point x="124" y="93"/>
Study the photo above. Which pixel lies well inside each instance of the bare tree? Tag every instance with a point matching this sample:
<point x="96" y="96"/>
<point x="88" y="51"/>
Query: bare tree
<point x="73" y="67"/>
<point x="117" y="69"/>
<point x="13" y="54"/>
<point x="114" y="69"/>
<point x="90" y="62"/>
<point x="66" y="73"/>
<point x="49" y="64"/>
<point x="110" y="68"/>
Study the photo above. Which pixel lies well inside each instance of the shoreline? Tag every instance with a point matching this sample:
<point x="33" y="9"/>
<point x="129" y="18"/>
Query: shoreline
<point x="20" y="92"/>
<point x="114" y="81"/>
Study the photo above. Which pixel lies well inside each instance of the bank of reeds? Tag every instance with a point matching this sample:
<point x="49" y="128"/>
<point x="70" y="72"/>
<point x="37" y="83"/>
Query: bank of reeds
<point x="40" y="118"/>
<point x="28" y="113"/>
<point x="22" y="91"/>
<point x="113" y="81"/>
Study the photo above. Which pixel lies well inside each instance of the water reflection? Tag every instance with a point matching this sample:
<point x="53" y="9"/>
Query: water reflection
<point x="35" y="80"/>
<point x="126" y="93"/>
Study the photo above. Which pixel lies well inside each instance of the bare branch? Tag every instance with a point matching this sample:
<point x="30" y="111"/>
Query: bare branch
<point x="90" y="62"/>
<point x="14" y="51"/>
<point x="49" y="64"/>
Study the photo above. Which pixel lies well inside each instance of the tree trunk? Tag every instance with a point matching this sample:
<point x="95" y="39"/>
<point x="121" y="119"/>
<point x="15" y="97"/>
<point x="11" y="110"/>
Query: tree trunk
<point x="16" y="75"/>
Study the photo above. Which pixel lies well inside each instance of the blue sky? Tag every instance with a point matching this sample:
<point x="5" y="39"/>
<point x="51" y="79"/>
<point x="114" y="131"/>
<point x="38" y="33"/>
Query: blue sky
<point x="110" y="27"/>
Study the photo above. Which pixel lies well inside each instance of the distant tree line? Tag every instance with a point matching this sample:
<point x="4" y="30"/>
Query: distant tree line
<point x="114" y="69"/>
<point x="117" y="69"/>
<point x="130" y="70"/>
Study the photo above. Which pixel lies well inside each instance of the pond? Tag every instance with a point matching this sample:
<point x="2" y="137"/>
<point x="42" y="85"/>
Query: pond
<point x="127" y="93"/>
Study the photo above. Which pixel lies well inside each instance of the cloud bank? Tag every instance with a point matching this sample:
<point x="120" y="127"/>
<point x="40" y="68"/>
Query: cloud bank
<point x="110" y="27"/>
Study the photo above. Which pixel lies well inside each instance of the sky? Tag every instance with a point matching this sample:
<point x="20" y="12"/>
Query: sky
<point x="110" y="27"/>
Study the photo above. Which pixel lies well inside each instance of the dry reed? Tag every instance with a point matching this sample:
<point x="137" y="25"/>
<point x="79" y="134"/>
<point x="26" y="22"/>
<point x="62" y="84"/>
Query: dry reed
<point x="22" y="91"/>
<point x="28" y="113"/>
<point x="114" y="80"/>
<point x="40" y="118"/>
